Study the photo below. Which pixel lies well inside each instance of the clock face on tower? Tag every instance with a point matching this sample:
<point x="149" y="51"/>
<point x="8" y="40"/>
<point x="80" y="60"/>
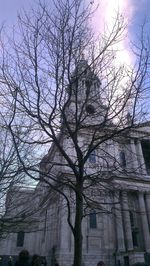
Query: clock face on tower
<point x="90" y="109"/>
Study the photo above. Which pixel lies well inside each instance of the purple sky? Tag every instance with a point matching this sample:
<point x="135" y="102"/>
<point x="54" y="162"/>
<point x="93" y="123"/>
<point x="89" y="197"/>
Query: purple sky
<point x="141" y="13"/>
<point x="140" y="9"/>
<point x="9" y="8"/>
<point x="137" y="11"/>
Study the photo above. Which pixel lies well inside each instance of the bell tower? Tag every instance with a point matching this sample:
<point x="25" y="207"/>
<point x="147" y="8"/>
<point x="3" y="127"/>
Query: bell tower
<point x="84" y="96"/>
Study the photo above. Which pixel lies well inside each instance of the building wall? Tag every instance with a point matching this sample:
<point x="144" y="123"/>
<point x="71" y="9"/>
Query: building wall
<point x="112" y="239"/>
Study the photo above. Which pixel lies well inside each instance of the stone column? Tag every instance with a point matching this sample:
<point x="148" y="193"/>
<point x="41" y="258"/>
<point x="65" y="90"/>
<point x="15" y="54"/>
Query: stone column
<point x="84" y="233"/>
<point x="64" y="230"/>
<point x="141" y="158"/>
<point x="144" y="220"/>
<point x="147" y="199"/>
<point x="118" y="223"/>
<point x="127" y="223"/>
<point x="134" y="156"/>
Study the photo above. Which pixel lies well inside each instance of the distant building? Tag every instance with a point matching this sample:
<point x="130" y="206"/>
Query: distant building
<point x="120" y="235"/>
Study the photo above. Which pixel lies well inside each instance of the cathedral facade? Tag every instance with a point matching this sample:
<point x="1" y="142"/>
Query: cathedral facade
<point x="117" y="231"/>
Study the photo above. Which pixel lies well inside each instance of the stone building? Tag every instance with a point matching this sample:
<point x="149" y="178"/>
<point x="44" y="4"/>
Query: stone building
<point x="119" y="233"/>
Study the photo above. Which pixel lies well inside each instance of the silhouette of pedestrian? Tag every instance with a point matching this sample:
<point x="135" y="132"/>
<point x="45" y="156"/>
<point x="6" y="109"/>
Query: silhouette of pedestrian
<point x="43" y="262"/>
<point x="101" y="263"/>
<point x="10" y="263"/>
<point x="56" y="263"/>
<point x="36" y="260"/>
<point x="23" y="259"/>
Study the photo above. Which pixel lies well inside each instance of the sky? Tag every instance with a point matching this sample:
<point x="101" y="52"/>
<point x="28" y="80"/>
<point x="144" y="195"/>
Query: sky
<point x="9" y="9"/>
<point x="134" y="11"/>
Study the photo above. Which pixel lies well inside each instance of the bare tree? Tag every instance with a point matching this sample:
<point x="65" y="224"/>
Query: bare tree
<point x="12" y="175"/>
<point x="74" y="105"/>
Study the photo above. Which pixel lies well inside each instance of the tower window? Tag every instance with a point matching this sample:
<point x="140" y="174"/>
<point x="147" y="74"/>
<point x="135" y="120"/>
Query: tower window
<point x="95" y="85"/>
<point x="20" y="239"/>
<point x="122" y="159"/>
<point x="92" y="157"/>
<point x="93" y="222"/>
<point x="85" y="72"/>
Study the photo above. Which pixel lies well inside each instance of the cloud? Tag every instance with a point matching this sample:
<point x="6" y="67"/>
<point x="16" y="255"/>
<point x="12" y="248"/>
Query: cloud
<point x="107" y="10"/>
<point x="105" y="15"/>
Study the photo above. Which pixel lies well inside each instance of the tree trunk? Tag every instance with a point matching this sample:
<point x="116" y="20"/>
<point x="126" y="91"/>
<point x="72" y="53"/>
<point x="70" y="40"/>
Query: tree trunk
<point x="78" y="230"/>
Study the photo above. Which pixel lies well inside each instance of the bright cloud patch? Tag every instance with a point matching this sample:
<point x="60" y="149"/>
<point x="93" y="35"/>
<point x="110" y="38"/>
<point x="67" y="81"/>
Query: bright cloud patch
<point x="105" y="17"/>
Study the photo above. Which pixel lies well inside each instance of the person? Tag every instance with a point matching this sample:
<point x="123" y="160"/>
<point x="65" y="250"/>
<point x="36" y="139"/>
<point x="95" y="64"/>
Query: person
<point x="56" y="264"/>
<point x="43" y="262"/>
<point x="23" y="259"/>
<point x="101" y="263"/>
<point x="36" y="261"/>
<point x="10" y="263"/>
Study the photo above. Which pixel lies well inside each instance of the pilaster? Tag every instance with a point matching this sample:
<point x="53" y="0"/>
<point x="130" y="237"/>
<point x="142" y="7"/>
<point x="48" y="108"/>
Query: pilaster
<point x="134" y="156"/>
<point x="119" y="223"/>
<point x="147" y="199"/>
<point x="144" y="220"/>
<point x="127" y="223"/>
<point x="141" y="158"/>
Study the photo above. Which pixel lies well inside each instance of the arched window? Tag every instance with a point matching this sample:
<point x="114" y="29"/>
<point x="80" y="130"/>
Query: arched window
<point x="95" y="85"/>
<point x="93" y="221"/>
<point x="92" y="157"/>
<point x="20" y="239"/>
<point x="122" y="159"/>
